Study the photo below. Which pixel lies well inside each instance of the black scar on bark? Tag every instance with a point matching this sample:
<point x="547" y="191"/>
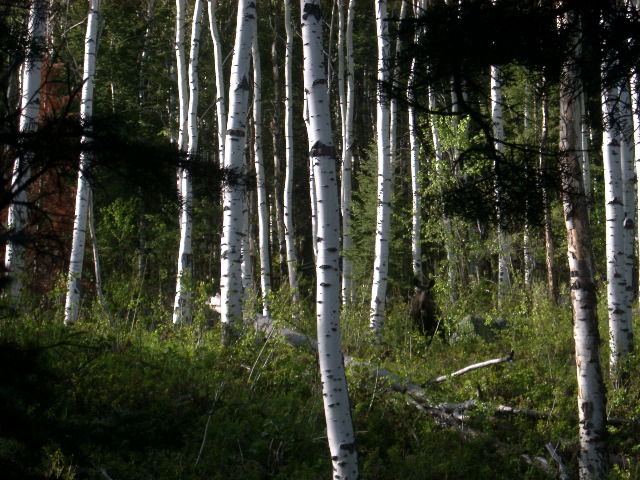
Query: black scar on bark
<point x="319" y="149"/>
<point x="312" y="9"/>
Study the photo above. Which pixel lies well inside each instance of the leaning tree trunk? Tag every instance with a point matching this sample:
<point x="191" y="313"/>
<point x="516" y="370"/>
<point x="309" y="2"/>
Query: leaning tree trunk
<point x="592" y="456"/>
<point x="29" y="113"/>
<point x="383" y="221"/>
<point x="619" y="315"/>
<point x="261" y="185"/>
<point x="233" y="195"/>
<point x="340" y="432"/>
<point x="83" y="193"/>
<point x="182" y="303"/>
<point x="292" y="261"/>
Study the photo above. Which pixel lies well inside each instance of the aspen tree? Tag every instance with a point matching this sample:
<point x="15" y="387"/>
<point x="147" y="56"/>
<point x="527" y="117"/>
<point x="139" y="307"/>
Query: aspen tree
<point x="619" y="315"/>
<point x="504" y="280"/>
<point x="292" y="261"/>
<point x="347" y="155"/>
<point x="592" y="457"/>
<point x="182" y="302"/>
<point x="261" y="187"/>
<point x="29" y="113"/>
<point x="340" y="433"/>
<point x="83" y="193"/>
<point x="383" y="217"/>
<point x="183" y="88"/>
<point x="221" y="104"/>
<point x="233" y="195"/>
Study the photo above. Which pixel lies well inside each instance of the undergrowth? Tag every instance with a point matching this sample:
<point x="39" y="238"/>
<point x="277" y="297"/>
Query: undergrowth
<point x="125" y="395"/>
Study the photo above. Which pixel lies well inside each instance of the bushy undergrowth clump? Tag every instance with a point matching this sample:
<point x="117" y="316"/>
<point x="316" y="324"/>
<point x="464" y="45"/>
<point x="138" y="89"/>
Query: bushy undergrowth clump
<point x="124" y="393"/>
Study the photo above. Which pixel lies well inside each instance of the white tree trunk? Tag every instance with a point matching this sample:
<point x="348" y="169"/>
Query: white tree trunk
<point x="635" y="105"/>
<point x="593" y="453"/>
<point x="347" y="158"/>
<point x="629" y="200"/>
<point x="312" y="188"/>
<point x="83" y="193"/>
<point x="261" y="187"/>
<point x="29" y="113"/>
<point x="619" y="315"/>
<point x="340" y="432"/>
<point x="504" y="280"/>
<point x="233" y="195"/>
<point x="221" y="104"/>
<point x="182" y="302"/>
<point x="383" y="218"/>
<point x="292" y="261"/>
<point x="393" y="112"/>
<point x="183" y="84"/>
<point x="416" y="222"/>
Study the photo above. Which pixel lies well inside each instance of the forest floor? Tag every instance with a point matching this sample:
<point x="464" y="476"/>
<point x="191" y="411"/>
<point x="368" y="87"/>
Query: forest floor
<point x="136" y="398"/>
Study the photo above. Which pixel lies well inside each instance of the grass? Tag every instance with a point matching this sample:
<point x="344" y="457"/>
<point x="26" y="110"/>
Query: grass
<point x="143" y="400"/>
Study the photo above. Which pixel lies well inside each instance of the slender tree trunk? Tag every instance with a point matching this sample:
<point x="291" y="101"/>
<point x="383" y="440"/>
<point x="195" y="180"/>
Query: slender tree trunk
<point x="416" y="250"/>
<point x="234" y="195"/>
<point x="592" y="456"/>
<point x="292" y="261"/>
<point x="347" y="158"/>
<point x="546" y="201"/>
<point x="182" y="303"/>
<point x="529" y="254"/>
<point x="504" y="280"/>
<point x="619" y="315"/>
<point x="183" y="88"/>
<point x="261" y="187"/>
<point x="72" y="303"/>
<point x="393" y="112"/>
<point x="29" y="113"/>
<point x="446" y="221"/>
<point x="142" y="99"/>
<point x="629" y="200"/>
<point x="635" y="105"/>
<point x="383" y="221"/>
<point x="312" y="188"/>
<point x="96" y="252"/>
<point x="340" y="432"/>
<point x="221" y="104"/>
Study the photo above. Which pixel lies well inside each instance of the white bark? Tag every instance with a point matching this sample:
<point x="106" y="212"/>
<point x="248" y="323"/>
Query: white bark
<point x="233" y="195"/>
<point x="340" y="432"/>
<point x="635" y="104"/>
<point x="83" y="193"/>
<point x="347" y="158"/>
<point x="29" y="113"/>
<point x="393" y="112"/>
<point x="182" y="302"/>
<point x="383" y="217"/>
<point x="592" y="457"/>
<point x="312" y="188"/>
<point x="629" y="200"/>
<point x="416" y="223"/>
<point x="221" y="105"/>
<point x="289" y="236"/>
<point x="619" y="315"/>
<point x="504" y="280"/>
<point x="261" y="187"/>
<point x="183" y="88"/>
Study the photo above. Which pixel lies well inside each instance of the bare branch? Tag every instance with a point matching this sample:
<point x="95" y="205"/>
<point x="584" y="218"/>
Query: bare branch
<point x="475" y="366"/>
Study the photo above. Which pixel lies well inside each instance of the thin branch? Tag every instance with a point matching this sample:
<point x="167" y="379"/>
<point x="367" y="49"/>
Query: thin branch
<point x="475" y="366"/>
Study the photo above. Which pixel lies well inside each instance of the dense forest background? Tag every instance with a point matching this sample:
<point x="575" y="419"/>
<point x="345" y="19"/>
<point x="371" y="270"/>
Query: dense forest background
<point x="126" y="393"/>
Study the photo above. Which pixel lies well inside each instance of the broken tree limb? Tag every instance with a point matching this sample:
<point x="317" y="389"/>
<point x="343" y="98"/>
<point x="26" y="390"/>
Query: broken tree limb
<point x="564" y="475"/>
<point x="494" y="361"/>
